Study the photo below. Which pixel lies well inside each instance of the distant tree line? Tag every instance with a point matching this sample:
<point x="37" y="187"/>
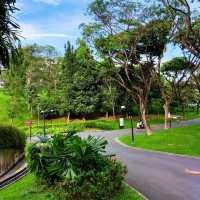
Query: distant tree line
<point x="118" y="61"/>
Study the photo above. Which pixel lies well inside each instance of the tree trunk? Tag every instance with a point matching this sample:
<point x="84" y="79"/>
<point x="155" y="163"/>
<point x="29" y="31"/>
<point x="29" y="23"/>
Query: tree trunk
<point x="198" y="107"/>
<point x="68" y="117"/>
<point x="183" y="109"/>
<point x="166" y="109"/>
<point x="113" y="110"/>
<point x="38" y="120"/>
<point x="106" y="115"/>
<point x="143" y="116"/>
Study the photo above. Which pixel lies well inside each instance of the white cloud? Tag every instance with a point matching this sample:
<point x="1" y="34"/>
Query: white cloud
<point x="50" y="35"/>
<point x="31" y="32"/>
<point x="52" y="2"/>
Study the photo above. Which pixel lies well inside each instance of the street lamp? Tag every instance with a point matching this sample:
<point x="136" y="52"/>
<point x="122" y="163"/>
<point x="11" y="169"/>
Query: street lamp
<point x="44" y="126"/>
<point x="51" y="118"/>
<point x="132" y="129"/>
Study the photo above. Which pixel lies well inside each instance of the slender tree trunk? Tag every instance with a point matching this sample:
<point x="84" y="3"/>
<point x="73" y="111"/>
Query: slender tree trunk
<point x="183" y="109"/>
<point x="38" y="121"/>
<point x="143" y="116"/>
<point x="106" y="115"/>
<point x="198" y="107"/>
<point x="68" y="117"/>
<point x="113" y="110"/>
<point x="166" y="109"/>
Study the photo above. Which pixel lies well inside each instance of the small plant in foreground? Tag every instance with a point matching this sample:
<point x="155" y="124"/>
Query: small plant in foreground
<point x="76" y="168"/>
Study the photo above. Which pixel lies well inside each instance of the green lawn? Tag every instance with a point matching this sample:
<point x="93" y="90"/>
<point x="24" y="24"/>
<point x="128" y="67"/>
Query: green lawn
<point x="182" y="140"/>
<point x="27" y="189"/>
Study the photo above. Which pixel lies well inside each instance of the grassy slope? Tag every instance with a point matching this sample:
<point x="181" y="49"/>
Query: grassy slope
<point x="27" y="189"/>
<point x="4" y="105"/>
<point x="21" y="115"/>
<point x="182" y="140"/>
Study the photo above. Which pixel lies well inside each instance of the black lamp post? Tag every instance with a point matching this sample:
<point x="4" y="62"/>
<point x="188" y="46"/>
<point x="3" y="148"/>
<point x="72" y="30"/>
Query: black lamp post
<point x="132" y="129"/>
<point x="44" y="125"/>
<point x="131" y="120"/>
<point x="51" y="118"/>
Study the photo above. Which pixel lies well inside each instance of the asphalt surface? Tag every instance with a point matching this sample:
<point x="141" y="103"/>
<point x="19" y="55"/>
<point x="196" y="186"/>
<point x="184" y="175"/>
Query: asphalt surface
<point x="158" y="176"/>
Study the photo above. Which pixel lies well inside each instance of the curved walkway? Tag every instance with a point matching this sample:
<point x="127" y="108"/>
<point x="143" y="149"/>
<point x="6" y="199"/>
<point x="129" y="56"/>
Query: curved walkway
<point x="156" y="175"/>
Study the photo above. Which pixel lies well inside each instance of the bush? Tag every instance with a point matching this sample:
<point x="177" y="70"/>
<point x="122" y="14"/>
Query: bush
<point x="11" y="137"/>
<point x="99" y="124"/>
<point x="77" y="168"/>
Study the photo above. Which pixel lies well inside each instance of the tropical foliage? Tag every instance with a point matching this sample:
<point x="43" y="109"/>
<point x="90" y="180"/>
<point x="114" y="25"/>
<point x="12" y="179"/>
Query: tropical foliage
<point x="8" y="31"/>
<point x="78" y="168"/>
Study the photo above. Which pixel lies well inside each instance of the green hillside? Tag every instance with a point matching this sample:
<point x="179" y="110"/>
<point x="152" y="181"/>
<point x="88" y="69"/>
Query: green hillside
<point x="8" y="111"/>
<point x="4" y="107"/>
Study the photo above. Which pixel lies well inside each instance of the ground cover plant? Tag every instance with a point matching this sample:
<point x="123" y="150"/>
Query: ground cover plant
<point x="181" y="140"/>
<point x="76" y="168"/>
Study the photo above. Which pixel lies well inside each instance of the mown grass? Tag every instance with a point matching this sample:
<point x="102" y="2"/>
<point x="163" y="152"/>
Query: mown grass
<point x="181" y="140"/>
<point x="28" y="189"/>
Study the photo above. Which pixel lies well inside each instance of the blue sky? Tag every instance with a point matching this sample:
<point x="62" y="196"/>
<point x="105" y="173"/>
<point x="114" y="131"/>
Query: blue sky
<point x="51" y="22"/>
<point x="55" y="22"/>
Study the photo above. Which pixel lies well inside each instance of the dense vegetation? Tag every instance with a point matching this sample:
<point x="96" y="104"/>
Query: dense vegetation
<point x="76" y="168"/>
<point x="182" y="140"/>
<point x="11" y="137"/>
<point x="111" y="67"/>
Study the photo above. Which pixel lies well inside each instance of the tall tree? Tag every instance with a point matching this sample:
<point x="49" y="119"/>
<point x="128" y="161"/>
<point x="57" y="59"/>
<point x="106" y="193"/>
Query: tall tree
<point x="134" y="45"/>
<point x="174" y="79"/>
<point x="69" y="67"/>
<point x="85" y="90"/>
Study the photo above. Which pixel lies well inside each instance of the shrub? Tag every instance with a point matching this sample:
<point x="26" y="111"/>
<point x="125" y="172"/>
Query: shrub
<point x="11" y="137"/>
<point x="99" y="124"/>
<point x="78" y="168"/>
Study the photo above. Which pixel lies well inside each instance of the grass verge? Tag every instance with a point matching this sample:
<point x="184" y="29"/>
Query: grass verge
<point x="27" y="189"/>
<point x="181" y="140"/>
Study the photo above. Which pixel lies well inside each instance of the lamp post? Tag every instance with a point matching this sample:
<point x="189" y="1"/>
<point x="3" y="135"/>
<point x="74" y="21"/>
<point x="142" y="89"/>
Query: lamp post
<point x="131" y="120"/>
<point x="132" y="129"/>
<point x="44" y="125"/>
<point x="51" y="118"/>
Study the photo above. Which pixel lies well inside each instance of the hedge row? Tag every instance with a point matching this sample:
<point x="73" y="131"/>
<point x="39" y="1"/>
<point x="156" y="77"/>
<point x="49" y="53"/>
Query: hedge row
<point x="11" y="137"/>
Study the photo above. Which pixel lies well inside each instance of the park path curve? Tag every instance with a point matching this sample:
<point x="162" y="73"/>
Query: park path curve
<point x="156" y="175"/>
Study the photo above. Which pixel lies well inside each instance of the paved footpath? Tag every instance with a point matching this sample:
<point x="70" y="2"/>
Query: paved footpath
<point x="158" y="176"/>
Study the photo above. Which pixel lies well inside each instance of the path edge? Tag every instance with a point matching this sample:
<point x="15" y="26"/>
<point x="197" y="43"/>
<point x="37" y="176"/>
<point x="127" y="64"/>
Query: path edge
<point x="139" y="193"/>
<point x="154" y="151"/>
